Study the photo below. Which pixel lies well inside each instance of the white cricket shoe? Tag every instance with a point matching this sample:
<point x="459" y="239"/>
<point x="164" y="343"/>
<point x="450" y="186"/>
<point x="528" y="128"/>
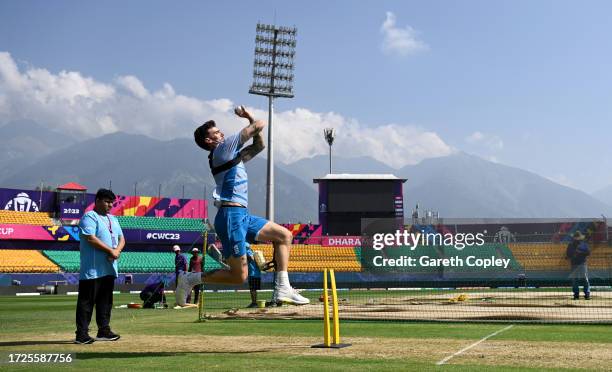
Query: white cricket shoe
<point x="289" y="295"/>
<point x="185" y="283"/>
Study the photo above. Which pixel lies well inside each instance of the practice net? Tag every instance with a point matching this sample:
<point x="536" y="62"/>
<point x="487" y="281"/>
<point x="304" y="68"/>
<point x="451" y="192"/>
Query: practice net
<point x="510" y="277"/>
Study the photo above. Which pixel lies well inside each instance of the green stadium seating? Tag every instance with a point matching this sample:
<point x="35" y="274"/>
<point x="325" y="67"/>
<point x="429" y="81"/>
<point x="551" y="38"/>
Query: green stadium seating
<point x="161" y="223"/>
<point x="129" y="262"/>
<point x="69" y="261"/>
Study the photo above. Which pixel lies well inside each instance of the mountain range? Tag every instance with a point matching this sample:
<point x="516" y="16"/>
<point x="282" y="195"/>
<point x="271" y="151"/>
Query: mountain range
<point x="604" y="194"/>
<point x="459" y="185"/>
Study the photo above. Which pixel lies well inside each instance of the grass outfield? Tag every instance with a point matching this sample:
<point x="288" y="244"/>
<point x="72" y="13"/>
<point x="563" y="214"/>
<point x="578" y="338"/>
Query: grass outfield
<point x="172" y="338"/>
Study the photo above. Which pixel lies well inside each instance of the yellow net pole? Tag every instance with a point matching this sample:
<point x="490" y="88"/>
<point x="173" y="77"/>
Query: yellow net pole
<point x="201" y="299"/>
<point x="326" y="329"/>
<point x="335" y="305"/>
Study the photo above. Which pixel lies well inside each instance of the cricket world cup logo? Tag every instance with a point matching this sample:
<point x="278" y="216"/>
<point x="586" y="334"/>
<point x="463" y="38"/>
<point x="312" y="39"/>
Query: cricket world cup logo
<point x="22" y="203"/>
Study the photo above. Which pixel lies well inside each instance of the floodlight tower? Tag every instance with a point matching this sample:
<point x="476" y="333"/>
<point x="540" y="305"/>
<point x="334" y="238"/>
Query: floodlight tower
<point x="329" y="134"/>
<point x="273" y="77"/>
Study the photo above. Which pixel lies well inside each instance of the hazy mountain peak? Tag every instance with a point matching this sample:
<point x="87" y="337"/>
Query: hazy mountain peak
<point x="465" y="185"/>
<point x="23" y="142"/>
<point x="604" y="194"/>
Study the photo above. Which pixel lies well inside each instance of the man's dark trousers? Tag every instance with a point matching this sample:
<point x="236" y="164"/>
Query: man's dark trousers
<point x="98" y="292"/>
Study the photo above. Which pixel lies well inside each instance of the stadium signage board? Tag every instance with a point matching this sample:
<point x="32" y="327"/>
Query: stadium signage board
<point x="157" y="236"/>
<point x="24" y="232"/>
<point x="341" y="241"/>
<point x="71" y="211"/>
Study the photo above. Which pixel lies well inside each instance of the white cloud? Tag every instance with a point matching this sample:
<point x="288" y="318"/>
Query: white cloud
<point x="402" y="41"/>
<point x="11" y="78"/>
<point x="133" y="85"/>
<point x="393" y="144"/>
<point x="72" y="103"/>
<point x="474" y="137"/>
<point x="490" y="141"/>
<point x="79" y="105"/>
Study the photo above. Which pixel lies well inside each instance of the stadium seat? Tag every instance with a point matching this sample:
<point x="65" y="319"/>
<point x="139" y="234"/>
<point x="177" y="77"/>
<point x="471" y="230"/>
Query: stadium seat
<point x="26" y="218"/>
<point x="130" y="262"/>
<point x="551" y="256"/>
<point x="484" y="251"/>
<point x="25" y="261"/>
<point x="308" y="258"/>
<point x="69" y="261"/>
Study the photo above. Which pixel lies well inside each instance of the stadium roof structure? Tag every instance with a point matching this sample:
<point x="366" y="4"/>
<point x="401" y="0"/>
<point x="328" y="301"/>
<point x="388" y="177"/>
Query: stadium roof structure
<point x="359" y="177"/>
<point x="72" y="186"/>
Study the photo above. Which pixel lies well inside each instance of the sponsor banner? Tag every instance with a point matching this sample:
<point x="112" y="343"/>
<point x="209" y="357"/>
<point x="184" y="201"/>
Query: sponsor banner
<point x="156" y="236"/>
<point x="24" y="232"/>
<point x="37" y="201"/>
<point x="305" y="233"/>
<point x="71" y="233"/>
<point x="149" y="206"/>
<point x="341" y="241"/>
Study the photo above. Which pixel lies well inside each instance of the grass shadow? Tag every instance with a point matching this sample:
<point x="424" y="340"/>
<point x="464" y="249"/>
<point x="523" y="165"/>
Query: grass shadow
<point x="35" y="342"/>
<point x="124" y="355"/>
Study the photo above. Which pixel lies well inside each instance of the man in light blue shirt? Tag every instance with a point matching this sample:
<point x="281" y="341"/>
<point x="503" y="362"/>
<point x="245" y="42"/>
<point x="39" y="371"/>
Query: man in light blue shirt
<point x="101" y="243"/>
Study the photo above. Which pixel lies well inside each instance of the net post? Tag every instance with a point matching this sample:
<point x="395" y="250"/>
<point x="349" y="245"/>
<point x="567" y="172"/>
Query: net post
<point x="336" y="318"/>
<point x="326" y="325"/>
<point x="201" y="306"/>
<point x="201" y="314"/>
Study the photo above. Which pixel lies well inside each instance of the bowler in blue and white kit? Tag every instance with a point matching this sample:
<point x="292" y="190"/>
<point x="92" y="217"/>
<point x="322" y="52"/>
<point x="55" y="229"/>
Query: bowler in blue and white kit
<point x="234" y="225"/>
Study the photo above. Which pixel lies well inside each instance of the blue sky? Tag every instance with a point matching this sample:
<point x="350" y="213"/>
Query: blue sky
<point x="523" y="83"/>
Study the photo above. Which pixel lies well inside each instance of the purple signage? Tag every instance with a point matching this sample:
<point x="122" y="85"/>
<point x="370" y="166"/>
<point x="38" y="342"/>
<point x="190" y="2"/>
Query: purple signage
<point x="72" y="211"/>
<point x="155" y="236"/>
<point x="27" y="200"/>
<point x="48" y="201"/>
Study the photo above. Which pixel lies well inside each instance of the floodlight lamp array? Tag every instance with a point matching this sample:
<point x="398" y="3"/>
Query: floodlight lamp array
<point x="274" y="61"/>
<point x="330" y="135"/>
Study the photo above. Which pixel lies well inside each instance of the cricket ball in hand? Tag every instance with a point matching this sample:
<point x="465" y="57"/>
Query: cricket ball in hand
<point x="239" y="110"/>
